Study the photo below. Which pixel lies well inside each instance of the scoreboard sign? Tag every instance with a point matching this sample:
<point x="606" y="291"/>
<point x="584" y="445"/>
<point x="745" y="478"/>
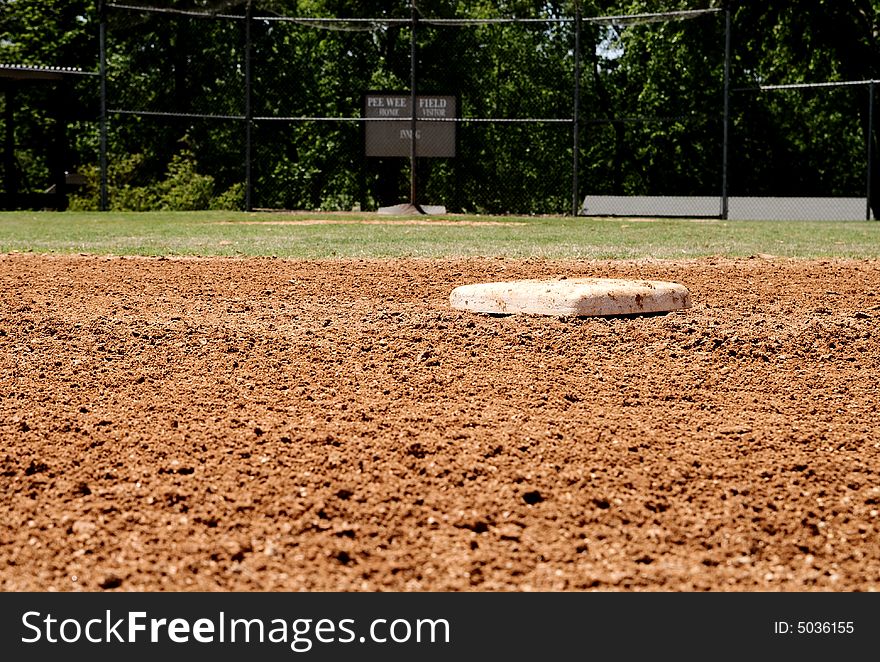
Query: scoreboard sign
<point x="388" y="136"/>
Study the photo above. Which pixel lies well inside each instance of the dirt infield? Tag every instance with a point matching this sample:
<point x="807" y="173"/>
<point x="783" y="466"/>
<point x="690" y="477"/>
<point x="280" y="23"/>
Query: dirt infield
<point x="222" y="424"/>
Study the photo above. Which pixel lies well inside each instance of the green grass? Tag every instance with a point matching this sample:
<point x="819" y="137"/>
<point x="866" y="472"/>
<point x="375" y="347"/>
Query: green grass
<point x="284" y="235"/>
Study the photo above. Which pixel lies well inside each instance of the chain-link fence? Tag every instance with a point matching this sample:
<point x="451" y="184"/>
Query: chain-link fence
<point x="270" y="105"/>
<point x="799" y="151"/>
<point x="653" y="117"/>
<point x="175" y="107"/>
<point x="257" y="105"/>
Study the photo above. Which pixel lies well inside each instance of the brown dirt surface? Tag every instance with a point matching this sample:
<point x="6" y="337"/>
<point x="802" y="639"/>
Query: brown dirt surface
<point x="263" y="424"/>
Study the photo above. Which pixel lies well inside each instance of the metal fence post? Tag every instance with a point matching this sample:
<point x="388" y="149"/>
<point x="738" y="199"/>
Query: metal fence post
<point x="10" y="176"/>
<point x="102" y="45"/>
<point x="248" y="111"/>
<point x="575" y="152"/>
<point x="412" y="105"/>
<point x="725" y="143"/>
<point x="870" y="149"/>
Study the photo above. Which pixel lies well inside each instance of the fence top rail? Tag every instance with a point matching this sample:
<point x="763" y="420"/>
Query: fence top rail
<point x="622" y="19"/>
<point x="804" y="86"/>
<point x="38" y="69"/>
<point x="172" y="10"/>
<point x="342" y="118"/>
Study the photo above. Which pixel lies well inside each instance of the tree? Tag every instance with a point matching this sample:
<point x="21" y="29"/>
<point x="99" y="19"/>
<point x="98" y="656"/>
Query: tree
<point x="810" y="41"/>
<point x="656" y="121"/>
<point x="651" y="97"/>
<point x="44" y="33"/>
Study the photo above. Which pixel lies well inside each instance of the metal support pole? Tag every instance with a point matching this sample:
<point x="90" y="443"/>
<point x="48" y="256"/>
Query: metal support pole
<point x="724" y="147"/>
<point x="102" y="45"/>
<point x="58" y="153"/>
<point x="10" y="176"/>
<point x="575" y="152"/>
<point x="870" y="150"/>
<point x="248" y="111"/>
<point x="412" y="106"/>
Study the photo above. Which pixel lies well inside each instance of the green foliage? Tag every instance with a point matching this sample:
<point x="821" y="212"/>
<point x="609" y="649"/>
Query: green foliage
<point x="804" y="140"/>
<point x="123" y="189"/>
<point x="651" y="101"/>
<point x="48" y="32"/>
<point x="182" y="189"/>
<point x="232" y="199"/>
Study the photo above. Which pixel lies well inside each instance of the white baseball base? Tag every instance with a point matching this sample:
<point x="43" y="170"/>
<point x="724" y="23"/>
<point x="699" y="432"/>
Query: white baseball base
<point x="576" y="297"/>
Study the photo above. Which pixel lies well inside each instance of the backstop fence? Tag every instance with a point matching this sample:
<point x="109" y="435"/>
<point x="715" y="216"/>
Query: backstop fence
<point x="540" y="117"/>
<point x="255" y="105"/>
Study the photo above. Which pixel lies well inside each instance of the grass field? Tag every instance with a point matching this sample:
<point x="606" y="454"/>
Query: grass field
<point x="365" y="235"/>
